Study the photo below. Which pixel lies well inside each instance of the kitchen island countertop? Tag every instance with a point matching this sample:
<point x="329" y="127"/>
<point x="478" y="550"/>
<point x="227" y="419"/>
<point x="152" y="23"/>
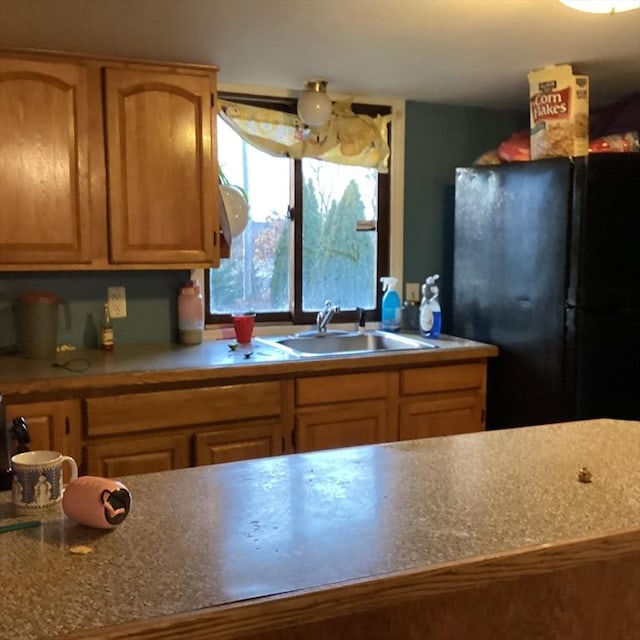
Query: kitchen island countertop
<point x="240" y="549"/>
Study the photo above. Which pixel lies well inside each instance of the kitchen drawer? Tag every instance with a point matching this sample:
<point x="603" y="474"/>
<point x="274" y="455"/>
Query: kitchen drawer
<point x="161" y="409"/>
<point x="342" y="388"/>
<point x="444" y="378"/>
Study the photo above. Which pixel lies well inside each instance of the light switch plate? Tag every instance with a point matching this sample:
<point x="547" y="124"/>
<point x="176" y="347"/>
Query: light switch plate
<point x="412" y="290"/>
<point x="117" y="301"/>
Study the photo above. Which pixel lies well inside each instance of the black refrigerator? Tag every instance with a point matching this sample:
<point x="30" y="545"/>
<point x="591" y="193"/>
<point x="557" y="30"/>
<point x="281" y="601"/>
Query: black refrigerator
<point x="546" y="266"/>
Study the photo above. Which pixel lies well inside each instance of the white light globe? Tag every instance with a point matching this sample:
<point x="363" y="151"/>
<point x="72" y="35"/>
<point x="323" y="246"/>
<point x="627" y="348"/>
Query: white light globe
<point x="314" y="105"/>
<point x="602" y="6"/>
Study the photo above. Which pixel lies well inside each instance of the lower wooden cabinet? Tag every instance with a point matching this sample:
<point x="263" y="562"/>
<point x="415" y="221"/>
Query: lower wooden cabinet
<point x="54" y="425"/>
<point x="354" y="423"/>
<point x="442" y="401"/>
<point x="149" y="431"/>
<point x="440" y="417"/>
<point x="138" y="455"/>
<point x="344" y="410"/>
<point x="157" y="430"/>
<point x="232" y="443"/>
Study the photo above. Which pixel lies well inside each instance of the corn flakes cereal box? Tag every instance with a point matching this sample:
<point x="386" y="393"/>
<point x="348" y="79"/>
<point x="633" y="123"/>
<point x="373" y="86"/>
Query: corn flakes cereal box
<point x="559" y="112"/>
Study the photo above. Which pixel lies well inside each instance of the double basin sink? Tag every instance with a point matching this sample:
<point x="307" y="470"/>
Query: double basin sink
<point x="334" y="343"/>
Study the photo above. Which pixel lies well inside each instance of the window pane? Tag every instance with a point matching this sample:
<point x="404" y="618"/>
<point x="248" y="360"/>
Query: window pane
<point x="339" y="263"/>
<point x="257" y="274"/>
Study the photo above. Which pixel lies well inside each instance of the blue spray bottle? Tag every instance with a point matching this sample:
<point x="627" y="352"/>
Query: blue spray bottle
<point x="430" y="312"/>
<point x="391" y="305"/>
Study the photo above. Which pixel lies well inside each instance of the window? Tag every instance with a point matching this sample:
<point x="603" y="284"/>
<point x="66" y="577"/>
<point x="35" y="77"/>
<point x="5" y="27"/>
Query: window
<point x="317" y="231"/>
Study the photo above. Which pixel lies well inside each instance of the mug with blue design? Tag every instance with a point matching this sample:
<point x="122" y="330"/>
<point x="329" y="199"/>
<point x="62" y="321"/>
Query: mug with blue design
<point x="37" y="480"/>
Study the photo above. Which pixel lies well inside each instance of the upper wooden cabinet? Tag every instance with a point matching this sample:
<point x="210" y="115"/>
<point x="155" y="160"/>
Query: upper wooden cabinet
<point x="44" y="163"/>
<point x="160" y="169"/>
<point x="106" y="164"/>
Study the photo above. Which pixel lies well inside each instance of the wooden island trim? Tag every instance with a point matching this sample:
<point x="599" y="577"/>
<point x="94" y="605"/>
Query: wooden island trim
<point x="601" y="573"/>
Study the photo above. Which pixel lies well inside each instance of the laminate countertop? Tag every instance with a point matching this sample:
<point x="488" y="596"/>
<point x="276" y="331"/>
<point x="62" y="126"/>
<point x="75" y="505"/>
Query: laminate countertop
<point x="216" y="551"/>
<point x="130" y="365"/>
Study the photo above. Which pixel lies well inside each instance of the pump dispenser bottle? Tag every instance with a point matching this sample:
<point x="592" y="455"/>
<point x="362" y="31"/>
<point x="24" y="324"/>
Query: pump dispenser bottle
<point x="190" y="313"/>
<point x="391" y="305"/>
<point x="430" y="312"/>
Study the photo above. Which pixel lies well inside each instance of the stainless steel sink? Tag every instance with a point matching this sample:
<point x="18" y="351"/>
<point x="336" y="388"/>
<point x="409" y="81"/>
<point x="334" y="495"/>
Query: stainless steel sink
<point x="341" y="343"/>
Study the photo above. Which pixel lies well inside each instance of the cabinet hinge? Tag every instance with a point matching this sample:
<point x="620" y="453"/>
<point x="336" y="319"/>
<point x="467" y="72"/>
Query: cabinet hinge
<point x="293" y="439"/>
<point x="67" y="425"/>
<point x="213" y="100"/>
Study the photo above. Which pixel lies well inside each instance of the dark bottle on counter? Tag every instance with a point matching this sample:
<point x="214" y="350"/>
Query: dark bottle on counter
<point x="106" y="330"/>
<point x="14" y="438"/>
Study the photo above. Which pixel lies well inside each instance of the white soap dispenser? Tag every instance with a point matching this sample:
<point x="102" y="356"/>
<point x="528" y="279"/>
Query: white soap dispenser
<point x="430" y="312"/>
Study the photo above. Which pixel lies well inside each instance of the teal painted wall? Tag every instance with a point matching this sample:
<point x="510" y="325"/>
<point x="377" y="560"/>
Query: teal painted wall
<point x="440" y="138"/>
<point x="151" y="304"/>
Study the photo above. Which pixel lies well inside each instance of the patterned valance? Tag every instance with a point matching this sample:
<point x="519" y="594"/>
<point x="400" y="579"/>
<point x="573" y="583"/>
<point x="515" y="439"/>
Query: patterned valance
<point x="348" y="138"/>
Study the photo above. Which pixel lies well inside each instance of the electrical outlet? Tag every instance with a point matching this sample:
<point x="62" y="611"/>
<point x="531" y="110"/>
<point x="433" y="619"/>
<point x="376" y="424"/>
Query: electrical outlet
<point x="412" y="291"/>
<point x="117" y="300"/>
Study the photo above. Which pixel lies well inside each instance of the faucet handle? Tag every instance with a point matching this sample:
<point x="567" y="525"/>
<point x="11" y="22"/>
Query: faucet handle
<point x="362" y="316"/>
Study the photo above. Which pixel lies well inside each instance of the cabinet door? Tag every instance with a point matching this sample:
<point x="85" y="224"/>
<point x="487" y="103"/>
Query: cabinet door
<point x="442" y="400"/>
<point x="162" y="180"/>
<point x="53" y="426"/>
<point x="230" y="444"/>
<point x="138" y="455"/>
<point x="441" y="416"/>
<point x="44" y="163"/>
<point x="343" y="425"/>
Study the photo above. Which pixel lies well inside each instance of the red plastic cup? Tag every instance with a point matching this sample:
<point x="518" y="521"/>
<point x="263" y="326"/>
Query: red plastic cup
<point x="243" y="325"/>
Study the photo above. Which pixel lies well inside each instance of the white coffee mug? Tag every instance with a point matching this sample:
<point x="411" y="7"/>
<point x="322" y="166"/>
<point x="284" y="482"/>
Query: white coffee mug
<point x="37" y="479"/>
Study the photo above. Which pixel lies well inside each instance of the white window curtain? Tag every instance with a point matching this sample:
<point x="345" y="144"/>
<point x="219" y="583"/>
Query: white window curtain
<point x="348" y="138"/>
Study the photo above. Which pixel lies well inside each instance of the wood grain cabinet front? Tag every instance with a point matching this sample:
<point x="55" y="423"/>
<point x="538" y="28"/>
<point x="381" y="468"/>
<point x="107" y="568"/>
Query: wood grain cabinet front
<point x="153" y="203"/>
<point x="44" y="163"/>
<point x="344" y="410"/>
<point x="161" y="177"/>
<point x="347" y="425"/>
<point x="158" y="430"/>
<point x="442" y="400"/>
<point x="130" y="456"/>
<point x="231" y="443"/>
<point x="53" y="426"/>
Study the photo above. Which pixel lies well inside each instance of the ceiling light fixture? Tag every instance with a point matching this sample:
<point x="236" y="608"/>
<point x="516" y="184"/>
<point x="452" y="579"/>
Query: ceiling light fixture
<point x="602" y="6"/>
<point x="314" y="105"/>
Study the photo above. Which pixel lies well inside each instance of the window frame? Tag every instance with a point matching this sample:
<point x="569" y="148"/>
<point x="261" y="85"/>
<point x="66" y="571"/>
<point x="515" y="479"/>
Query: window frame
<point x="296" y="315"/>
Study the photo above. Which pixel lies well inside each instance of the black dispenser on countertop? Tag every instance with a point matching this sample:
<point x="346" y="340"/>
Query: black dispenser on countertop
<point x="14" y="438"/>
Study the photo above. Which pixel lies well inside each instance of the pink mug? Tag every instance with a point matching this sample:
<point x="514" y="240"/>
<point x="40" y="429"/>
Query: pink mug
<point x="102" y="503"/>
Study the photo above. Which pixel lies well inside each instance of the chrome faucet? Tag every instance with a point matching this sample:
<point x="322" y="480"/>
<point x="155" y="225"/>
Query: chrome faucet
<point x="325" y="315"/>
